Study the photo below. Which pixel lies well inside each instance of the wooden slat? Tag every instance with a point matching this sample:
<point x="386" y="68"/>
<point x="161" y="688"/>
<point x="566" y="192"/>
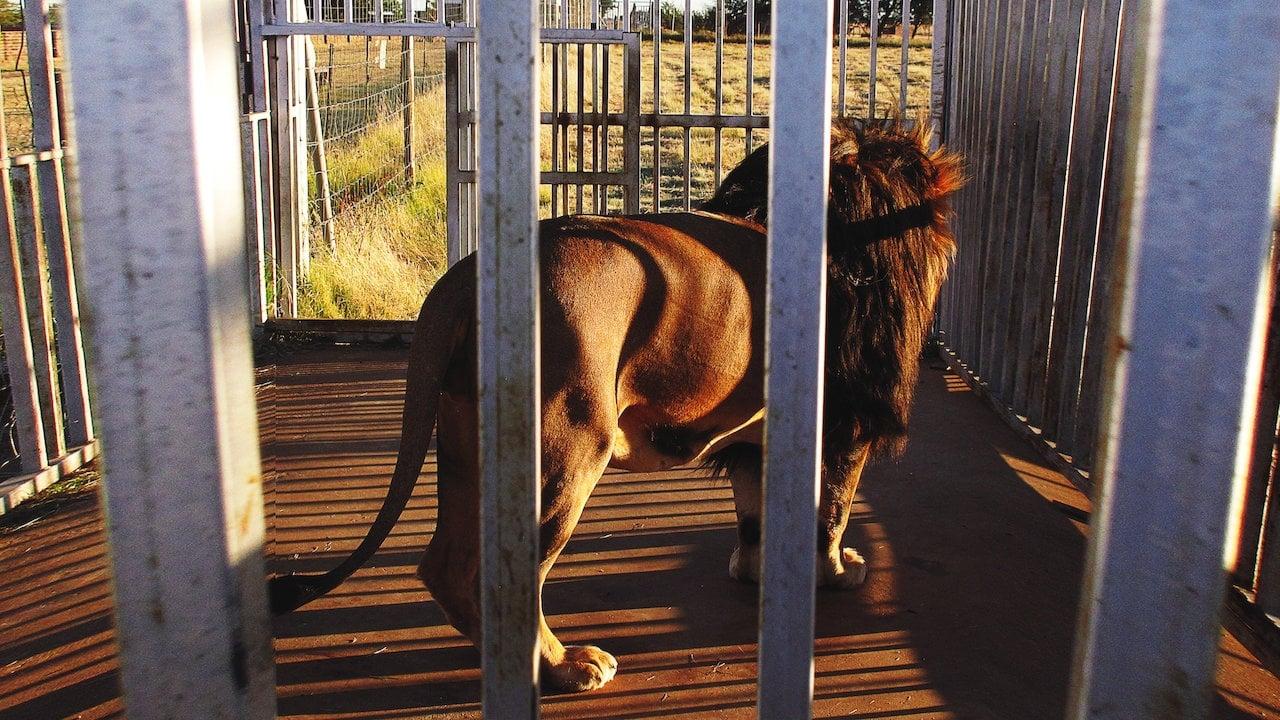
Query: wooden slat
<point x="164" y="271"/>
<point x="507" y="308"/>
<point x="799" y="158"/>
<point x="1182" y="379"/>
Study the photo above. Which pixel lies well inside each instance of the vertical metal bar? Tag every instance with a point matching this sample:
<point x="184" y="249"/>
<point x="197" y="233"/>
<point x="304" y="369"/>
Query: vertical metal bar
<point x="409" y="76"/>
<point x="379" y="11"/>
<point x="799" y="152"/>
<point x="1042" y="255"/>
<point x="556" y="71"/>
<point x="939" y="81"/>
<point x="1174" y="452"/>
<point x="631" y="109"/>
<point x="600" y="132"/>
<point x="1102" y="297"/>
<point x="256" y="222"/>
<point x="317" y="11"/>
<point x="33" y="261"/>
<point x="842" y="29"/>
<point x="657" y="105"/>
<point x="874" y="68"/>
<point x="719" y="160"/>
<point x="906" y="58"/>
<point x="507" y="302"/>
<point x="1083" y="203"/>
<point x="174" y="378"/>
<point x="19" y="353"/>
<point x="751" y="70"/>
<point x="688" y="98"/>
<point x="1260" y="477"/>
<point x="452" y="156"/>
<point x="1002" y="247"/>
<point x="581" y="122"/>
<point x="348" y="9"/>
<point x="47" y="137"/>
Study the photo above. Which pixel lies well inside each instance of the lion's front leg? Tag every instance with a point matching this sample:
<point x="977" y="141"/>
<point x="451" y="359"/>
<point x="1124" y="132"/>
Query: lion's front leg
<point x="841" y="568"/>
<point x="838" y="567"/>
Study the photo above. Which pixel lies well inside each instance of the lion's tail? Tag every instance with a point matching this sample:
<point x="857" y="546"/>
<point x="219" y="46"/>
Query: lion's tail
<point x="438" y="331"/>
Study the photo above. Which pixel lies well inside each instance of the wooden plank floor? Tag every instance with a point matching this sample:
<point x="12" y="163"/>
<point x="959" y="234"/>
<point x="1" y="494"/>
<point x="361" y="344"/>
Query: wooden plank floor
<point x="974" y="547"/>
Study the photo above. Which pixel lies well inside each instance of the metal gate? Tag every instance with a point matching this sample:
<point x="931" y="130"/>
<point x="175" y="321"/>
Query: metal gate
<point x="591" y="125"/>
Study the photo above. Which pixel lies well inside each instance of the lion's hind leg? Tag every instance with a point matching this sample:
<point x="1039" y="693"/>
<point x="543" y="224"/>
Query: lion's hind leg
<point x="577" y="443"/>
<point x="450" y="567"/>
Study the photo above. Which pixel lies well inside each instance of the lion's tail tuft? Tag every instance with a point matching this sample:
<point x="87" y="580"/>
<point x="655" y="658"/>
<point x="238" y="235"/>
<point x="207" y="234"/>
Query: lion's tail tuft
<point x="290" y="592"/>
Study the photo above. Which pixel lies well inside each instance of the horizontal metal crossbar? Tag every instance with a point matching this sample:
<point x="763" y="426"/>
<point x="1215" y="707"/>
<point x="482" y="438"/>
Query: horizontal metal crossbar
<point x="433" y="30"/>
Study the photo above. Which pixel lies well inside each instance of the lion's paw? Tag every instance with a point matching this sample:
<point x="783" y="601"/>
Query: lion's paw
<point x="584" y="667"/>
<point x="847" y="573"/>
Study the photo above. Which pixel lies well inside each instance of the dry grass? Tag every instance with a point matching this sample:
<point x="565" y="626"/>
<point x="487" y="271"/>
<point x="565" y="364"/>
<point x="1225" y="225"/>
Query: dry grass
<point x="391" y="247"/>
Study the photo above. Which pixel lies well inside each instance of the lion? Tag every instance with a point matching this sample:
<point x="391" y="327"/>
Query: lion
<point x="652" y="357"/>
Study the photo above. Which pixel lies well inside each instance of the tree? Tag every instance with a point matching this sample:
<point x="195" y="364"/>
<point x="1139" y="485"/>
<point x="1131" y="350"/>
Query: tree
<point x="735" y="15"/>
<point x="10" y="13"/>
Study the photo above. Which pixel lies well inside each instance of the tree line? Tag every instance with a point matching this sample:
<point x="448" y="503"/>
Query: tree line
<point x="735" y="14"/>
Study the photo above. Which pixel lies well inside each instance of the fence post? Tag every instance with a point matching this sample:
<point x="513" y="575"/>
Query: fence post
<point x="1185" y="357"/>
<point x="318" y="153"/>
<point x="507" y="309"/>
<point x="408" y="76"/>
<point x="164" y="268"/>
<point x="799" y="165"/>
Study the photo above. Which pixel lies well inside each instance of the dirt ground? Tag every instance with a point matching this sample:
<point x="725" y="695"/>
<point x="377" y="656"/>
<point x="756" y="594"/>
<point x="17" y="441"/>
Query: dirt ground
<point x="975" y="549"/>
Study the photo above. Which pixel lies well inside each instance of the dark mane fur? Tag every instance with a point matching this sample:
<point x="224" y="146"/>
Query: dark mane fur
<point x="888" y="245"/>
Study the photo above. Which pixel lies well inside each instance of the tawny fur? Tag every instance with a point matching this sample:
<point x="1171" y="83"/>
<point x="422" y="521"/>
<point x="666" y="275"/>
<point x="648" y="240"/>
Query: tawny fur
<point x="652" y="337"/>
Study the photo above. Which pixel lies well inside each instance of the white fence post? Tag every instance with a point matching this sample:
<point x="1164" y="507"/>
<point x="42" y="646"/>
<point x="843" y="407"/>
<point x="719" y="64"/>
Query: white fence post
<point x="167" y="318"/>
<point x="799" y="161"/>
<point x="1201" y="184"/>
<point x="510" y="411"/>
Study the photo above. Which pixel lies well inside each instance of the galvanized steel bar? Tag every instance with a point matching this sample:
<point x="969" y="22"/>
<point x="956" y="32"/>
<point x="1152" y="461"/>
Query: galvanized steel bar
<point x="19" y="354"/>
<point x="719" y="101"/>
<point x="842" y="29"/>
<point x="1102" y="303"/>
<point x="751" y="69"/>
<point x="452" y="155"/>
<point x="688" y="98"/>
<point x="507" y="302"/>
<point x="873" y="67"/>
<point x="1203" y="166"/>
<point x="799" y="152"/>
<point x="47" y="137"/>
<point x="631" y="111"/>
<point x="940" y="79"/>
<point x="163" y="252"/>
<point x="905" y="66"/>
<point x="33" y="261"/>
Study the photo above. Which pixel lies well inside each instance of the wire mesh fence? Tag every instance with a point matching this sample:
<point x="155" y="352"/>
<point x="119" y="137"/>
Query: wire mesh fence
<point x="364" y="103"/>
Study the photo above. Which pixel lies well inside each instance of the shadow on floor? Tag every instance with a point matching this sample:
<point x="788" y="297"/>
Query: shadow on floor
<point x="975" y="551"/>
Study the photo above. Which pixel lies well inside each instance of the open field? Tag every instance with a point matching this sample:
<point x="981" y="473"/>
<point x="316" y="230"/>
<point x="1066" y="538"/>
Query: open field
<point x="390" y="234"/>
